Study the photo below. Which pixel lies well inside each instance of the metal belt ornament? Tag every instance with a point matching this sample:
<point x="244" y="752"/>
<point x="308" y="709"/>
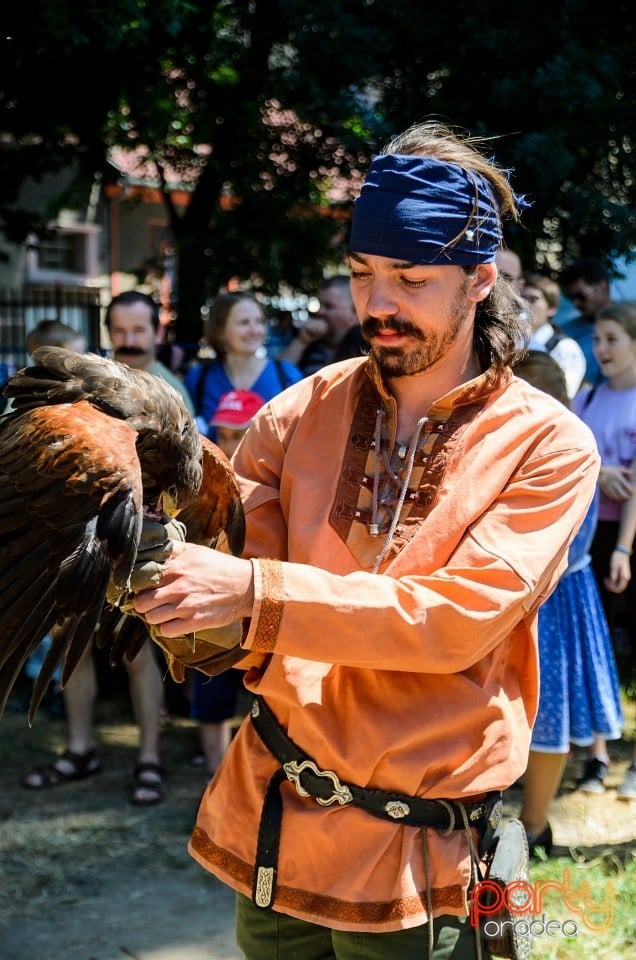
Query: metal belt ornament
<point x="341" y="794"/>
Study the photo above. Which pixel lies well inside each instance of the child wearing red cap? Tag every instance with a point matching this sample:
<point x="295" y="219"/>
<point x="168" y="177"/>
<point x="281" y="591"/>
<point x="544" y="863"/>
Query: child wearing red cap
<point x="233" y="416"/>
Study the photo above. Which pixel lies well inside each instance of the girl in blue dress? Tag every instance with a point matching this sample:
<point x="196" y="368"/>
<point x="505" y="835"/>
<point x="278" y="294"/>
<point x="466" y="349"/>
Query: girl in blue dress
<point x="579" y="694"/>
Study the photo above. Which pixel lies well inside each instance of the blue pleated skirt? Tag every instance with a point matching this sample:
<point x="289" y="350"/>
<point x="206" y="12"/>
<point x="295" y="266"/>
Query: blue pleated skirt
<point x="579" y="690"/>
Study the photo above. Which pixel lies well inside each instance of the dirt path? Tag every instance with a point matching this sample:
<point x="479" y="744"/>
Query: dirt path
<point x="86" y="876"/>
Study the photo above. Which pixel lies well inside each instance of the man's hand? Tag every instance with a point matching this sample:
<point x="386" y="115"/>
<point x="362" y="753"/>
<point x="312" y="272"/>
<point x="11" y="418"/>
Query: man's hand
<point x="314" y="328"/>
<point x="199" y="589"/>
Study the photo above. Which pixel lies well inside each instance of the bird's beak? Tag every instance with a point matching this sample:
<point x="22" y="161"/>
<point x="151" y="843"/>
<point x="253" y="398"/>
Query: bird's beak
<point x="168" y="504"/>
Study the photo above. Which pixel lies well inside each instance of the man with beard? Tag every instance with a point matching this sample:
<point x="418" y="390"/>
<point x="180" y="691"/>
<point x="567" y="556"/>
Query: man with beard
<point x="407" y="513"/>
<point x="132" y="321"/>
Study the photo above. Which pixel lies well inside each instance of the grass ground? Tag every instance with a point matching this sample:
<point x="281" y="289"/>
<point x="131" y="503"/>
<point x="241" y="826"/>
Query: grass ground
<point x="605" y="928"/>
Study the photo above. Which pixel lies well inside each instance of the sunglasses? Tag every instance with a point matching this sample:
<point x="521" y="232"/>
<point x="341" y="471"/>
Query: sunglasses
<point x="581" y="294"/>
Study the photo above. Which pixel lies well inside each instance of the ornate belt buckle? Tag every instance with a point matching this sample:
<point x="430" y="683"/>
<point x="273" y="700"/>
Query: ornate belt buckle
<point x="341" y="794"/>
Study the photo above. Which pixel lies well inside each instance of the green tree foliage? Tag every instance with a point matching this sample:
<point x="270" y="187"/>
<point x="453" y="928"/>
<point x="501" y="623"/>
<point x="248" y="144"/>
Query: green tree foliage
<point x="290" y="98"/>
<point x="557" y="91"/>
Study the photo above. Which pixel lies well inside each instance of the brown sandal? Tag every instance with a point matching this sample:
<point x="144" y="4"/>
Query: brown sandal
<point x="148" y="787"/>
<point x="67" y="767"/>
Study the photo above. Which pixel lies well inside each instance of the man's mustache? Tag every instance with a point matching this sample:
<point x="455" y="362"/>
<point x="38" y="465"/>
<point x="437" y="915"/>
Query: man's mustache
<point x="372" y="327"/>
<point x="131" y="352"/>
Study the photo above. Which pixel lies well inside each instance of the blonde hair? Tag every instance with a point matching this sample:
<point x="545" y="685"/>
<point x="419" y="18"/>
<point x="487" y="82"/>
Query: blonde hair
<point x="51" y="333"/>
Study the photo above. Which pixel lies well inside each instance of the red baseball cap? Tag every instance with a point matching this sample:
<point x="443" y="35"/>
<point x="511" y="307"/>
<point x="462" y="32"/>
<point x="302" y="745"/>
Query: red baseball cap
<point x="236" y="409"/>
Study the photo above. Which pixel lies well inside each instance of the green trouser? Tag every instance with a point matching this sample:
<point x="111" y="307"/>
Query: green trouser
<point x="266" y="935"/>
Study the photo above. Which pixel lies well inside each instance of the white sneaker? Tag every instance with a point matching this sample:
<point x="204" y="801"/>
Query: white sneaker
<point x="627" y="789"/>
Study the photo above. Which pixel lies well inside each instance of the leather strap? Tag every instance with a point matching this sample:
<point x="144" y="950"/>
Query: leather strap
<point x="325" y="788"/>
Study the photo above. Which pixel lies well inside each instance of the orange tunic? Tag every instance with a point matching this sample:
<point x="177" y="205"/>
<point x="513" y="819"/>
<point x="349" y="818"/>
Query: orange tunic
<point x="421" y="678"/>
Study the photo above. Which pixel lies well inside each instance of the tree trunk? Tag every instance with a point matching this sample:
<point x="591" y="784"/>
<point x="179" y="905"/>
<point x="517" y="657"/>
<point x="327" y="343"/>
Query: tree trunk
<point x="191" y="286"/>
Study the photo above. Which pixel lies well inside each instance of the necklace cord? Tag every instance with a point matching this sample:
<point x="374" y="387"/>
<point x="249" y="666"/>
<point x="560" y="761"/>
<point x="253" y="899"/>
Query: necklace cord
<point x="403" y="490"/>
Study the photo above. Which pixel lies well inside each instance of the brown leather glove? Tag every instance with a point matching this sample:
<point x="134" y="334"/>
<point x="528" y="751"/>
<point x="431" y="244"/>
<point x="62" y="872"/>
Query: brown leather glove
<point x="210" y="651"/>
<point x="155" y="547"/>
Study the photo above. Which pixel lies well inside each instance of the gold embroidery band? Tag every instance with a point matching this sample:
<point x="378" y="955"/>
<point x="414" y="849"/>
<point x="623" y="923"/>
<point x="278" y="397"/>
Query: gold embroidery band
<point x="271" y="612"/>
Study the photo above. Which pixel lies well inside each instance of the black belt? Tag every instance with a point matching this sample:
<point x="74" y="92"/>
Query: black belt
<point x="326" y="788"/>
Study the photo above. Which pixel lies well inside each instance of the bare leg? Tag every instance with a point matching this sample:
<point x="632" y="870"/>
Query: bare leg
<point x="80" y="695"/>
<point x="146" y="694"/>
<point x="598" y="749"/>
<point x="79" y="760"/>
<point x="215" y="739"/>
<point x="592" y="779"/>
<point x="540" y="784"/>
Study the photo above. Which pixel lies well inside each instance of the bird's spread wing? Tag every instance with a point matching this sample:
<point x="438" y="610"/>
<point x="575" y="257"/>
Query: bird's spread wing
<point x="71" y="509"/>
<point x="90" y="443"/>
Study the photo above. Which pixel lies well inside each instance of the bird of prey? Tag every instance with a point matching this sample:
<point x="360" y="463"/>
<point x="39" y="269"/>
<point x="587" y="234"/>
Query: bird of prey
<point x="89" y="449"/>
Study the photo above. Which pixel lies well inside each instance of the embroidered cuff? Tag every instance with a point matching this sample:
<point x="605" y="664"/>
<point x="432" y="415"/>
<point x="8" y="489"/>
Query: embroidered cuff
<point x="268" y="606"/>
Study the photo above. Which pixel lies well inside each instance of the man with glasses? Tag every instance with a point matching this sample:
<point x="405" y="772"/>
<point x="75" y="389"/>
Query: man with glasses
<point x="586" y="283"/>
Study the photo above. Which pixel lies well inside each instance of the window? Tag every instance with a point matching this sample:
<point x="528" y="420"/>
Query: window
<point x="68" y="254"/>
<point x="63" y="251"/>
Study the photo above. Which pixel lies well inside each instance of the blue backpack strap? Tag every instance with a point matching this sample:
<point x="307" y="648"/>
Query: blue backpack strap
<point x="283" y="379"/>
<point x="200" y="386"/>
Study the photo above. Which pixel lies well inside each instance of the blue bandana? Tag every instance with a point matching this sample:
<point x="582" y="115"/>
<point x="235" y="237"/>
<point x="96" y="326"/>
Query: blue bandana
<point x="423" y="210"/>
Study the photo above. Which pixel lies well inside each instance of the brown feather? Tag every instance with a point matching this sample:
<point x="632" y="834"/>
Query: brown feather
<point x="89" y="445"/>
<point x="217" y="507"/>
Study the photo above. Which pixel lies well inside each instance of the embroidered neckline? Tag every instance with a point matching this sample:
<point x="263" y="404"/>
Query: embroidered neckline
<point x="382" y="455"/>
